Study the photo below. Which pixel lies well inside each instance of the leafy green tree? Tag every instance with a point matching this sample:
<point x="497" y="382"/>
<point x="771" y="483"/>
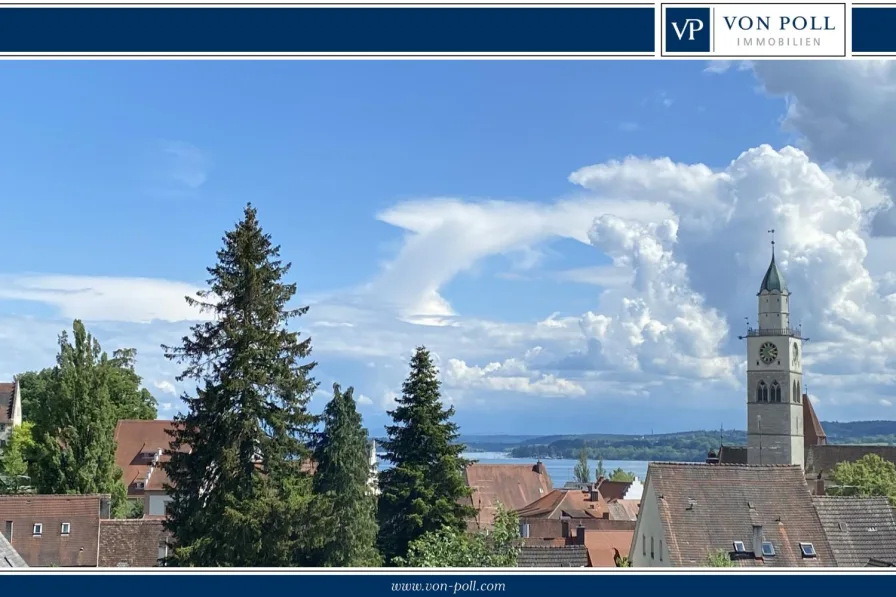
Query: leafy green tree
<point x="869" y="476"/>
<point x="33" y="387"/>
<point x="130" y="400"/>
<point x="622" y="475"/>
<point x="342" y="486"/>
<point x="582" y="472"/>
<point x="601" y="472"/>
<point x="718" y="559"/>
<point x="622" y="561"/>
<point x="241" y="493"/>
<point x="422" y="490"/>
<point x="74" y="431"/>
<point x="453" y="548"/>
<point x="14" y="465"/>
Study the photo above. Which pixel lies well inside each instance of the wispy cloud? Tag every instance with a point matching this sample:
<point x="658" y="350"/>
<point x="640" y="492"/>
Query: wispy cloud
<point x="186" y="164"/>
<point x="165" y="386"/>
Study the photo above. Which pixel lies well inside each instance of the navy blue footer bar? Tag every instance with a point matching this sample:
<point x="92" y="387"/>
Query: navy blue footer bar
<point x="460" y="583"/>
<point x="338" y="30"/>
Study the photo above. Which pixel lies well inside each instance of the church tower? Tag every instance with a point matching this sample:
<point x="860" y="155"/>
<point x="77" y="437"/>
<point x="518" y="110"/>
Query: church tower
<point x="774" y="378"/>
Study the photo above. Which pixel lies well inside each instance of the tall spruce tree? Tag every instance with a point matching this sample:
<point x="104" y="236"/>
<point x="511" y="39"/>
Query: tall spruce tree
<point x="343" y="488"/>
<point x="74" y="430"/>
<point x="422" y="491"/>
<point x="241" y="492"/>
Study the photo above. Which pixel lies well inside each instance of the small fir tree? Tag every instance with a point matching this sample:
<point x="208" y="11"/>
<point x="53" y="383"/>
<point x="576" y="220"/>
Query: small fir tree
<point x="343" y="486"/>
<point x="422" y="491"/>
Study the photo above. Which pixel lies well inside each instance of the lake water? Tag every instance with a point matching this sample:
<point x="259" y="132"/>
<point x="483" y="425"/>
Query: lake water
<point x="560" y="469"/>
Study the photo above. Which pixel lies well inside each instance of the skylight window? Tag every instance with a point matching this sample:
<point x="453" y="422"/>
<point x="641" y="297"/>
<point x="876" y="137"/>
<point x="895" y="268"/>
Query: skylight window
<point x="768" y="549"/>
<point x="808" y="550"/>
<point x="739" y="547"/>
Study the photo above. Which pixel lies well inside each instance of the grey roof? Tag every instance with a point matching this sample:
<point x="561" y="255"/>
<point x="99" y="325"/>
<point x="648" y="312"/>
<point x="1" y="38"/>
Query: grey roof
<point x="879" y="564"/>
<point x="822" y="459"/>
<point x="733" y="455"/>
<point x="773" y="281"/>
<point x="707" y="507"/>
<point x="858" y="529"/>
<point x="9" y="557"/>
<point x="567" y="556"/>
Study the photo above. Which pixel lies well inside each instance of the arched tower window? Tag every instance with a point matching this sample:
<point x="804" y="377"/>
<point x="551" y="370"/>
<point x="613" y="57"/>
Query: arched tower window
<point x="776" y="392"/>
<point x="799" y="393"/>
<point x="762" y="392"/>
<point x="794" y="399"/>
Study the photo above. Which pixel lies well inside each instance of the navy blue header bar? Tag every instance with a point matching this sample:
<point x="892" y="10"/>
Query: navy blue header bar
<point x="349" y="30"/>
<point x="874" y="29"/>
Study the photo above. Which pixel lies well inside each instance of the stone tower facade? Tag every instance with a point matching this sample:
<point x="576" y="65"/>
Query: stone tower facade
<point x="774" y="378"/>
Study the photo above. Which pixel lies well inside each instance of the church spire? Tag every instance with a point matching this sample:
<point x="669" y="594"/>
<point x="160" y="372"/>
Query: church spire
<point x="774" y="279"/>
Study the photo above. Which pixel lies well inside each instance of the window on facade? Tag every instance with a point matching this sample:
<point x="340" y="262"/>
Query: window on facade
<point x="644" y="545"/>
<point x="8" y="532"/>
<point x="651" y="548"/>
<point x="776" y="392"/>
<point x="163" y="549"/>
<point x="661" y="550"/>
<point x="799" y="393"/>
<point x="66" y="528"/>
<point x="38" y="529"/>
<point x="762" y="392"/>
<point x="794" y="392"/>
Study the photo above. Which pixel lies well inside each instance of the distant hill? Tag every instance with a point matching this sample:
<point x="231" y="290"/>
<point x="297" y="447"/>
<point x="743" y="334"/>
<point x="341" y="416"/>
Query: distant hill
<point x="683" y="446"/>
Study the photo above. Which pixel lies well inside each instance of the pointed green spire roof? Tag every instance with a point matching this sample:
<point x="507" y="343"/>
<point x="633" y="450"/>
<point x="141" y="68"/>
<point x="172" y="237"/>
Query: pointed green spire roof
<point x="774" y="279"/>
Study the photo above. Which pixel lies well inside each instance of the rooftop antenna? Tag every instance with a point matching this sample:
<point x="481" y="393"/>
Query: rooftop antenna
<point x="746" y="321"/>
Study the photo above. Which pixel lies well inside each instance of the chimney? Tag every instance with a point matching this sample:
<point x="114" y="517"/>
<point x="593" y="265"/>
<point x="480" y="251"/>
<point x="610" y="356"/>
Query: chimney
<point x="819" y="486"/>
<point x="524" y="530"/>
<point x="564" y="528"/>
<point x="105" y="507"/>
<point x="540" y="468"/>
<point x="595" y="494"/>
<point x="757" y="540"/>
<point x="580" y="534"/>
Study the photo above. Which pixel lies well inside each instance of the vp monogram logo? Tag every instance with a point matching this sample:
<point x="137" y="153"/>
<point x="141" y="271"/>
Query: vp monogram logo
<point x="690" y="27"/>
<point x="687" y="29"/>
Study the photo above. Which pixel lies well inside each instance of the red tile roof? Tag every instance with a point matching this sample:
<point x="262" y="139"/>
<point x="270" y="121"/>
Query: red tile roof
<point x="52" y="548"/>
<point x="613" y="490"/>
<point x="131" y="543"/>
<point x="135" y="438"/>
<point x="569" y="503"/>
<point x="706" y="507"/>
<point x="813" y="433"/>
<point x="511" y="485"/>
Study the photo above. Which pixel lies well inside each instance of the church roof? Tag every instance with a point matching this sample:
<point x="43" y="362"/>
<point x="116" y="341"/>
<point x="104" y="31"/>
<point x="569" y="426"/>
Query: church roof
<point x="774" y="279"/>
<point x="813" y="432"/>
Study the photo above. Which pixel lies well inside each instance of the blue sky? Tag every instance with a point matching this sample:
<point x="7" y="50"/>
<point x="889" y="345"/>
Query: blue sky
<point x="496" y="211"/>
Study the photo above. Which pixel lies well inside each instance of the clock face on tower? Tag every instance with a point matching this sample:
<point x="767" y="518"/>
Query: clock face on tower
<point x="768" y="352"/>
<point x="796" y="355"/>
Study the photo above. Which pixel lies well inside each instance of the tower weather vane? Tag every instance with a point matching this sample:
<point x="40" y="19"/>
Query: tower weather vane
<point x="772" y="232"/>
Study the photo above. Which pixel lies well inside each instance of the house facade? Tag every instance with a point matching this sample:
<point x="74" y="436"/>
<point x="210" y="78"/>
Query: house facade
<point x="54" y="530"/>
